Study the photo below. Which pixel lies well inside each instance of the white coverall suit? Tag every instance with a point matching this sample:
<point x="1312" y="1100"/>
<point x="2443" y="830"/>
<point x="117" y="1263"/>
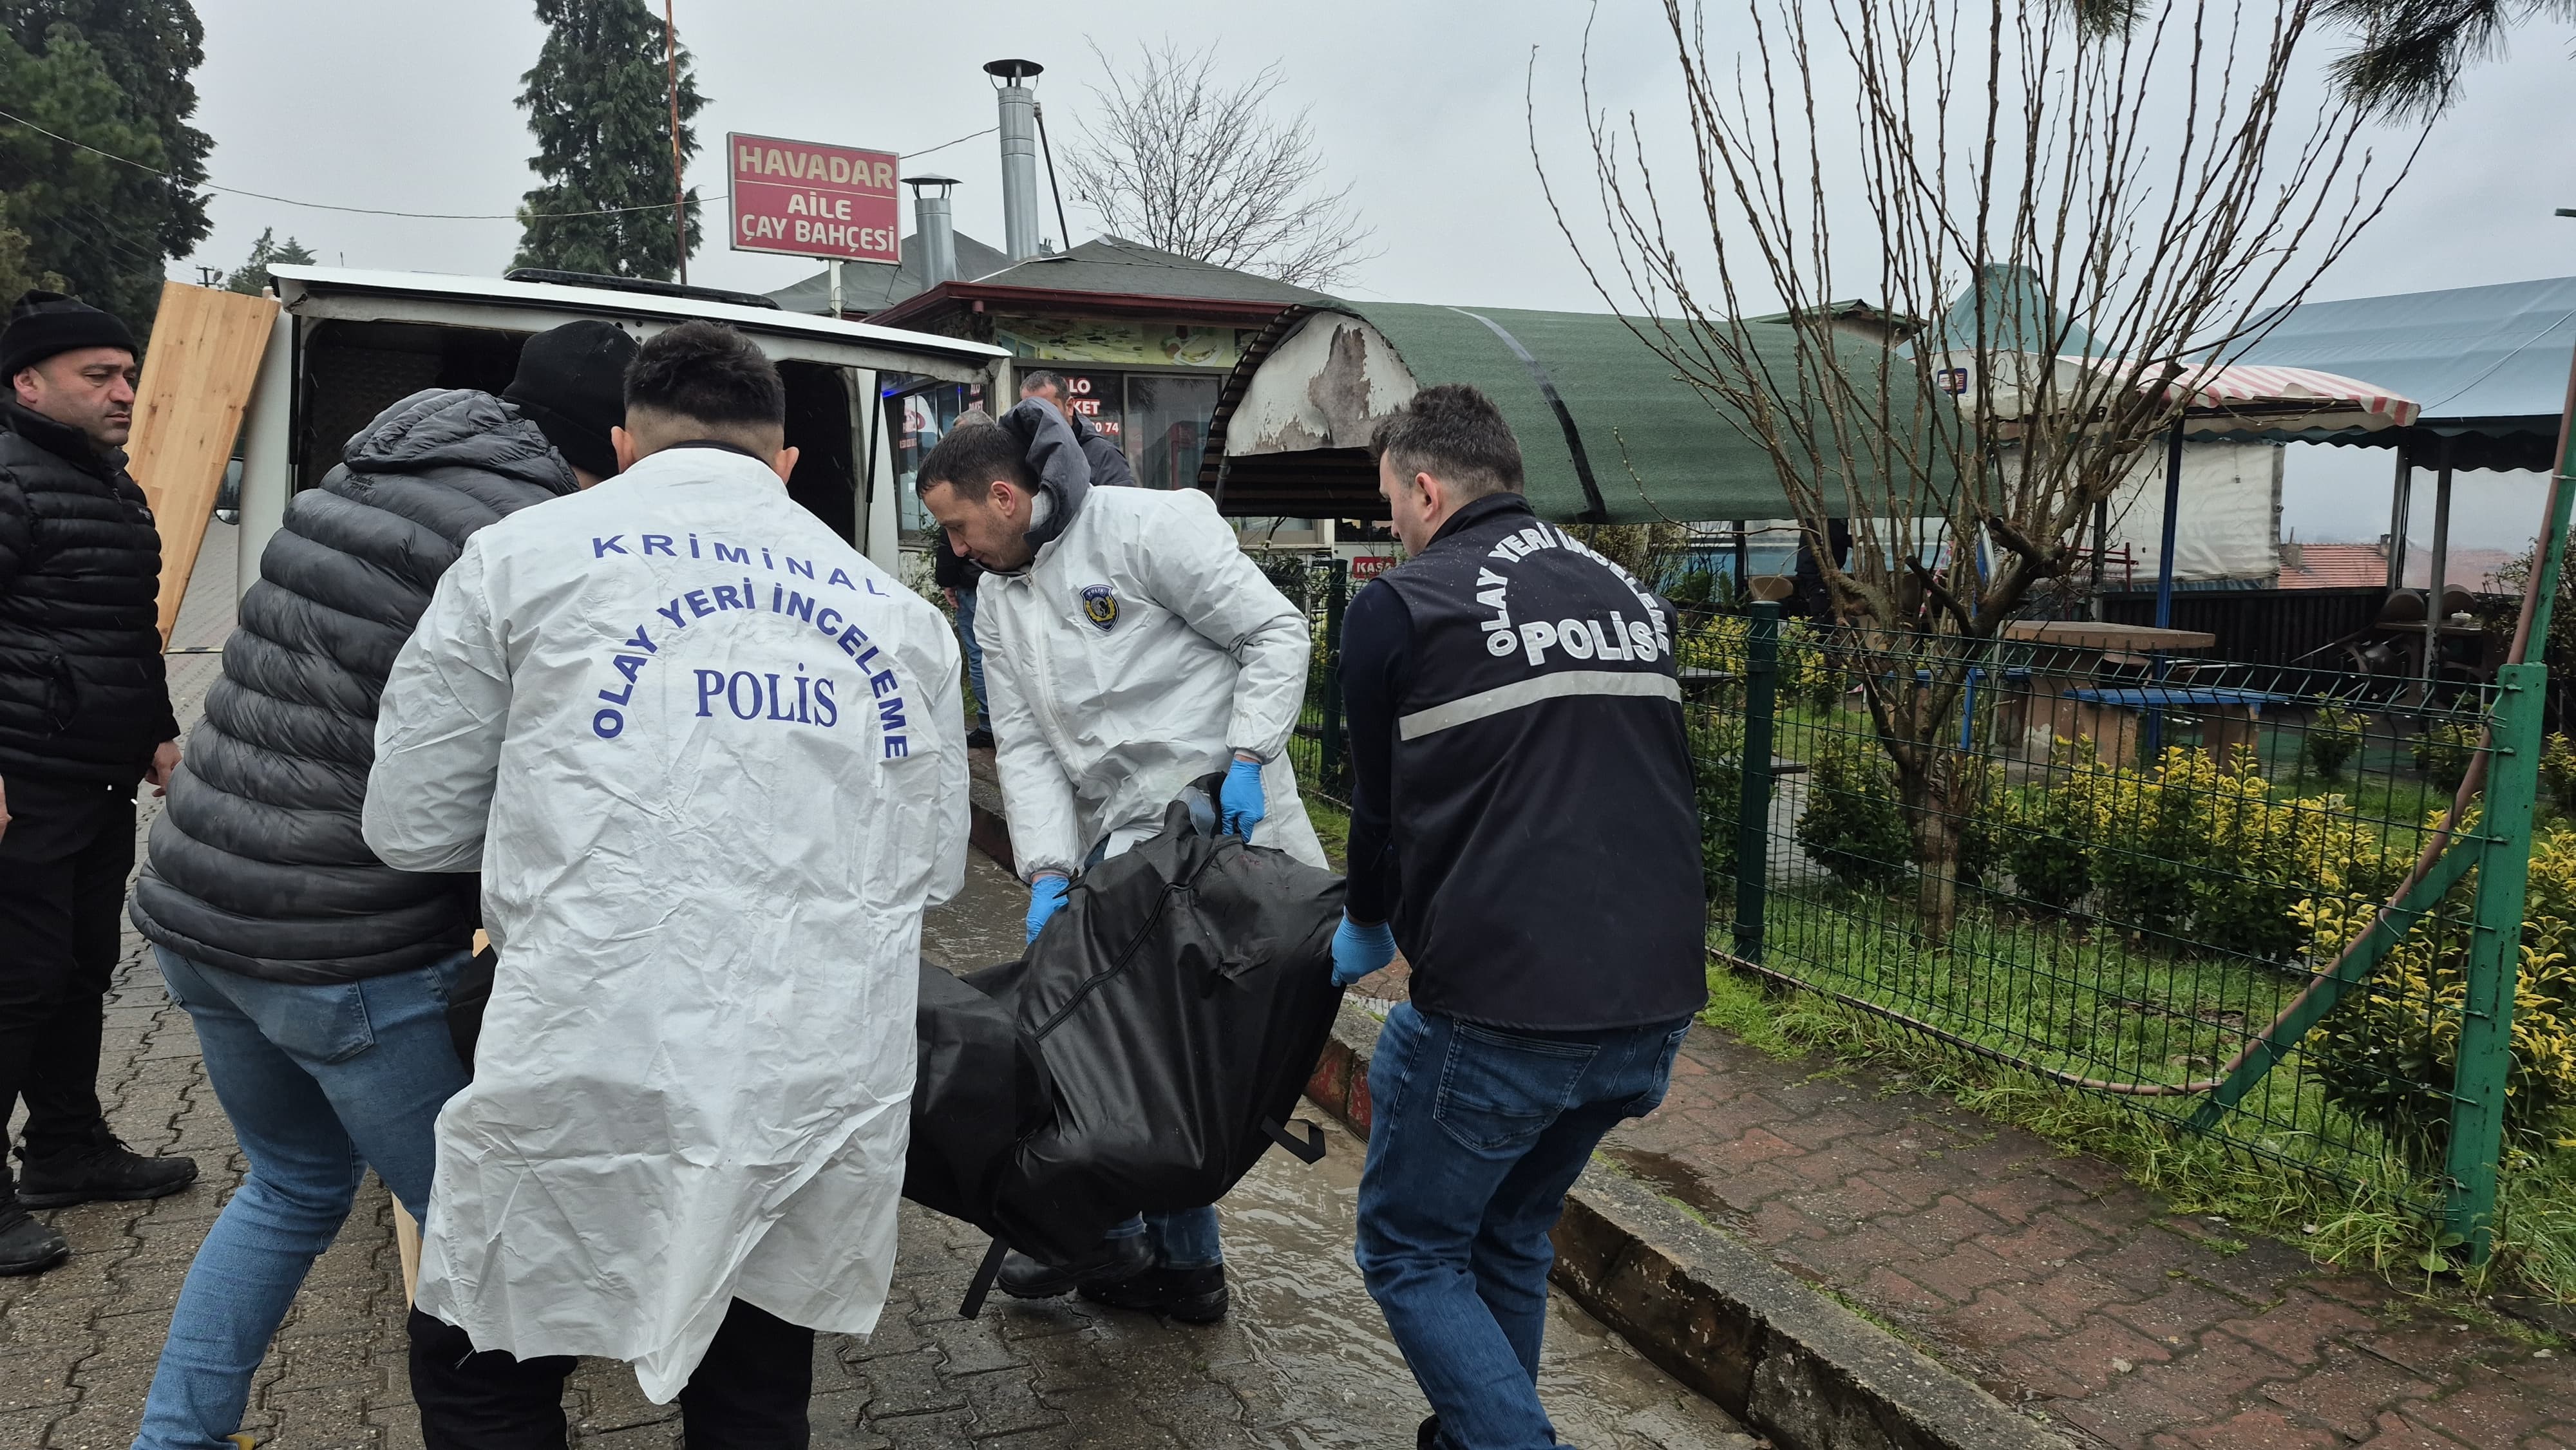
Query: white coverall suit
<point x="1135" y="654"/>
<point x="711" y="764"/>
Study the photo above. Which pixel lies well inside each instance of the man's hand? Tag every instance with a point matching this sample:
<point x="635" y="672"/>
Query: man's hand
<point x="951" y="591"/>
<point x="1046" y="898"/>
<point x="1359" y="950"/>
<point x="165" y="759"/>
<point x="1241" y="802"/>
<point x="4" y="808"/>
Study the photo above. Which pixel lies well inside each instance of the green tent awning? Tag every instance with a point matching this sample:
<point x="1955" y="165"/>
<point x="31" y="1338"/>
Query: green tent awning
<point x="1607" y="428"/>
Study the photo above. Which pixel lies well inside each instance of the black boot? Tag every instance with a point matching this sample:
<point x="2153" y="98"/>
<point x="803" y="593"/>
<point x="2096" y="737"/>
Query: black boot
<point x="1123" y="1257"/>
<point x="102" y="1170"/>
<point x="1192" y="1296"/>
<point x="26" y="1245"/>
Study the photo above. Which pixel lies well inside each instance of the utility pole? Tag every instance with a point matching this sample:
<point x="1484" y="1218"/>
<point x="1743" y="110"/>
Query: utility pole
<point x="679" y="188"/>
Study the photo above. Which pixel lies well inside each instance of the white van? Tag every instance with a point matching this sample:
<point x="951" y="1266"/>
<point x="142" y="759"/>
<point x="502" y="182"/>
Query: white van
<point x="349" y="343"/>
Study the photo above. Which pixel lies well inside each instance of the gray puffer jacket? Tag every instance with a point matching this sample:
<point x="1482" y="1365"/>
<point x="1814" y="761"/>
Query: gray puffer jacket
<point x="258" y="864"/>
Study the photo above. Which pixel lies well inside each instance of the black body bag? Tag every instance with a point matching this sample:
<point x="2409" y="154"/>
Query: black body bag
<point x="1160" y="1031"/>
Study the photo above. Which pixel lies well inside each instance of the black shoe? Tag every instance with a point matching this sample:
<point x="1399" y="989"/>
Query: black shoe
<point x="1192" y="1296"/>
<point x="105" y="1171"/>
<point x="1116" y="1259"/>
<point x="1428" y="1437"/>
<point x="26" y="1246"/>
<point x="979" y="738"/>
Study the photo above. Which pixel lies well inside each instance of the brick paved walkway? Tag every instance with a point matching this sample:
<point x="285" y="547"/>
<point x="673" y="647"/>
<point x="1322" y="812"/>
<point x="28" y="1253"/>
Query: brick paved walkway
<point x="1302" y="1362"/>
<point x="2057" y="1285"/>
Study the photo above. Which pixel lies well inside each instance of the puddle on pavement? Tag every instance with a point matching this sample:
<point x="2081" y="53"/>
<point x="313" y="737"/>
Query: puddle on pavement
<point x="984" y="923"/>
<point x="1323" y="1372"/>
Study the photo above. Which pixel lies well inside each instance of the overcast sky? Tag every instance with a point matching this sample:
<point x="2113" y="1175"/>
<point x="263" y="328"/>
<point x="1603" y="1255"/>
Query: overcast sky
<point x="1419" y="103"/>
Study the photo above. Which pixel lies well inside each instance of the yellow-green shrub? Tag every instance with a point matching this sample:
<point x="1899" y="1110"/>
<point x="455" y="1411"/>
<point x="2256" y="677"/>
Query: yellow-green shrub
<point x="2558" y="772"/>
<point x="2443" y="750"/>
<point x="2389" y="1052"/>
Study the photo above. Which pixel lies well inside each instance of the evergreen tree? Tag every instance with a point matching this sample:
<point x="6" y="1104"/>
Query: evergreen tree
<point x="601" y="113"/>
<point x="16" y="277"/>
<point x="251" y="278"/>
<point x="113" y="74"/>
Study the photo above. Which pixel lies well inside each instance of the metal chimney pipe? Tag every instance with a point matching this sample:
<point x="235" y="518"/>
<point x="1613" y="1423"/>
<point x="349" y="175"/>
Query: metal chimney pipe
<point x="1020" y="221"/>
<point x="933" y="231"/>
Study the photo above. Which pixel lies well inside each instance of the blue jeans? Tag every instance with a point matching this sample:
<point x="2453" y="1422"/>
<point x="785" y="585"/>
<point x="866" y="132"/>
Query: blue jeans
<point x="1185" y="1239"/>
<point x="320" y="1082"/>
<point x="974" y="657"/>
<point x="1476" y="1136"/>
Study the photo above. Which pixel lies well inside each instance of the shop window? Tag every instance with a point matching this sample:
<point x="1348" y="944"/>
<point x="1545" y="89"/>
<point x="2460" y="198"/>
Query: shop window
<point x="1167" y="424"/>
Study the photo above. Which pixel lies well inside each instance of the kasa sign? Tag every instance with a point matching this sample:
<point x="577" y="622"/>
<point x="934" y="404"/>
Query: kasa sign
<point x="810" y="200"/>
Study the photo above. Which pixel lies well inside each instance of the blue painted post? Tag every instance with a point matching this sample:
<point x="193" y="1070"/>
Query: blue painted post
<point x="2155" y="733"/>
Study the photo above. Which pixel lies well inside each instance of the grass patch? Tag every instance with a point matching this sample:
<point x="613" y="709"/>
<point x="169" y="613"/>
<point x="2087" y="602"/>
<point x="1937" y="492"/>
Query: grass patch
<point x="1332" y="827"/>
<point x="2369" y="1216"/>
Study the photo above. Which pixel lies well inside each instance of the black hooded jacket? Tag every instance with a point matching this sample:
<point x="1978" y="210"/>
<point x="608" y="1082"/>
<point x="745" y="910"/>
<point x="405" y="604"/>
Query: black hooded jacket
<point x="82" y="694"/>
<point x="259" y="864"/>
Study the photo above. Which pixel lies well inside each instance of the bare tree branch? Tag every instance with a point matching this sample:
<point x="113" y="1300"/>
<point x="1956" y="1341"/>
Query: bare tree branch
<point x="2110" y="185"/>
<point x="1176" y="159"/>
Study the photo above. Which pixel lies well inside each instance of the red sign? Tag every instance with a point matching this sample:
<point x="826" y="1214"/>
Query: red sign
<point x="811" y="200"/>
<point x="1096" y="396"/>
<point x="1369" y="566"/>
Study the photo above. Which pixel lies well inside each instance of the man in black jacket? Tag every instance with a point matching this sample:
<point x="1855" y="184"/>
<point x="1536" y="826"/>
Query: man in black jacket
<point x="319" y="978"/>
<point x="1108" y="461"/>
<point x="84" y="716"/>
<point x="1523" y="824"/>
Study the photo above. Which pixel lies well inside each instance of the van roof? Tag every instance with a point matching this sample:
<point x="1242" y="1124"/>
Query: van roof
<point x="550" y="296"/>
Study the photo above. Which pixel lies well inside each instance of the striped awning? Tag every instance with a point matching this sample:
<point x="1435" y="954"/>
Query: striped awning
<point x="2237" y="400"/>
<point x="2251" y="396"/>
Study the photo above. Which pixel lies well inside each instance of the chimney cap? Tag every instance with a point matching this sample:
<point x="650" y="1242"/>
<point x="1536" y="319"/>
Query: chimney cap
<point x="929" y="179"/>
<point x="1013" y="71"/>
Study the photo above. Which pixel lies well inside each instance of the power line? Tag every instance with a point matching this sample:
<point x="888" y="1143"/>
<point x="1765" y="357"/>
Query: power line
<point x="433" y="216"/>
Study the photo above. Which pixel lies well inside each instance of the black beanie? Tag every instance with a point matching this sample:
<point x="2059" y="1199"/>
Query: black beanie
<point x="572" y="384"/>
<point x="44" y="324"/>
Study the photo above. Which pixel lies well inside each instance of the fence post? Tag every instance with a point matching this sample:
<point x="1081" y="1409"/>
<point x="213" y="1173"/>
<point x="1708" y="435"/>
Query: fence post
<point x="1753" y="802"/>
<point x="1337" y="592"/>
<point x="2495" y="961"/>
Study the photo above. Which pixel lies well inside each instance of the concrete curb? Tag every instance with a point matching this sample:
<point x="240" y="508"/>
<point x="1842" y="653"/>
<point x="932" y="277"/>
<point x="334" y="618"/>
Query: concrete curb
<point x="1723" y="1319"/>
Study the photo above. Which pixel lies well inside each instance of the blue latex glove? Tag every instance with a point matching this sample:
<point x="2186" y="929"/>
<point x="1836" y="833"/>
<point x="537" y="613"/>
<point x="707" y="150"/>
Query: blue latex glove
<point x="1359" y="950"/>
<point x="1242" y="803"/>
<point x="1046" y="898"/>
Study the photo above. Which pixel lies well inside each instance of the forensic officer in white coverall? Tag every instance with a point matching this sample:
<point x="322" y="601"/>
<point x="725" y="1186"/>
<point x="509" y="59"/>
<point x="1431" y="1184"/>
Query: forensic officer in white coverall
<point x="711" y="765"/>
<point x="1131" y="648"/>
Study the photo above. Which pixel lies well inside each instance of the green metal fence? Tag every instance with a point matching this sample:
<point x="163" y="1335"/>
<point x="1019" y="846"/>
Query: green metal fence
<point x="2154" y="878"/>
<point x="1321" y="587"/>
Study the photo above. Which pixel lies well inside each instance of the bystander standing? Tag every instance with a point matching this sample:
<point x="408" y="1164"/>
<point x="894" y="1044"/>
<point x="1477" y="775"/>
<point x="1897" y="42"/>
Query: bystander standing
<point x="84" y="716"/>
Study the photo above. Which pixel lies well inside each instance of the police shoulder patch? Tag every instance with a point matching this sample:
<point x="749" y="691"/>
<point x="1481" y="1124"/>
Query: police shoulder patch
<point x="1099" y="605"/>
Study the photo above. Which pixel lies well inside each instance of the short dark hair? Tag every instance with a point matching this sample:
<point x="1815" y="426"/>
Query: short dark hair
<point x="709" y="373"/>
<point x="1455" y="434"/>
<point x="1030" y="382"/>
<point x="972" y="456"/>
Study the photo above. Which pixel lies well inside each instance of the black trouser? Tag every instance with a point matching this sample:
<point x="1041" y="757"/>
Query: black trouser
<point x="749" y="1393"/>
<point x="64" y="858"/>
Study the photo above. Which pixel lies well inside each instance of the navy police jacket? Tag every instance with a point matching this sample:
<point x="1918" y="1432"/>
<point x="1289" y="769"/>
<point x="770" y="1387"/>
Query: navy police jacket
<point x="1522" y="802"/>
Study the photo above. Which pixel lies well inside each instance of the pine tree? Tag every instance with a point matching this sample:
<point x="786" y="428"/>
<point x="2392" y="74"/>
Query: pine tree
<point x="113" y="74"/>
<point x="251" y="278"/>
<point x="598" y="105"/>
<point x="16" y="276"/>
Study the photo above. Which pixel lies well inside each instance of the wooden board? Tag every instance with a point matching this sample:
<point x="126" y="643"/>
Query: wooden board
<point x="407" y="1244"/>
<point x="197" y="379"/>
<point x="2086" y="634"/>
